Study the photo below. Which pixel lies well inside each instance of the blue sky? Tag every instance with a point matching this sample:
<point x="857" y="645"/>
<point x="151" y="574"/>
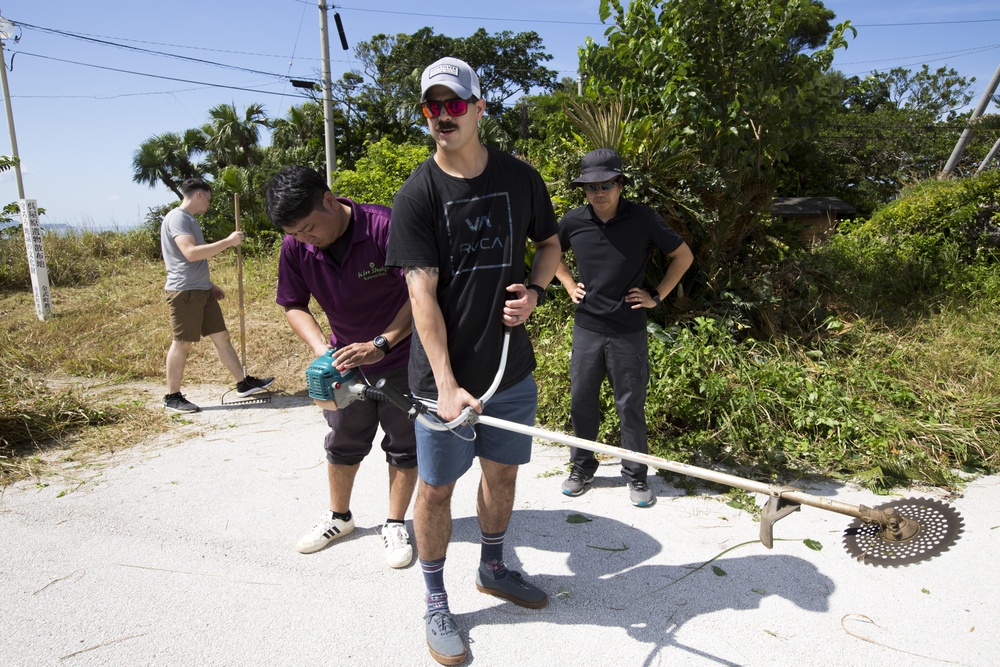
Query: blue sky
<point x="77" y="125"/>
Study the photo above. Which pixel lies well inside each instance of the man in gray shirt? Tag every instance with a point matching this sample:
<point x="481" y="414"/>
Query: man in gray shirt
<point x="193" y="298"/>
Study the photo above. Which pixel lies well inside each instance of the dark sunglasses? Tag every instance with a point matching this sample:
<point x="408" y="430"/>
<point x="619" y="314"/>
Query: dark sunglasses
<point x="456" y="107"/>
<point x="594" y="187"/>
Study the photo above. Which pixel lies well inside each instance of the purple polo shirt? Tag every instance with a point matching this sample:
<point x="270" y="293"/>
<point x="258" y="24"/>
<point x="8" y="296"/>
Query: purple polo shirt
<point x="361" y="296"/>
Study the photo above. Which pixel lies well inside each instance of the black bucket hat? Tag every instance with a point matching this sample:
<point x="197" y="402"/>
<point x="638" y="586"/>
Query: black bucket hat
<point x="601" y="165"/>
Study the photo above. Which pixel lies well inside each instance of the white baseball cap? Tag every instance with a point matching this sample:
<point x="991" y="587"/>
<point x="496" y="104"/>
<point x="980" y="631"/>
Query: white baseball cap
<point x="451" y="73"/>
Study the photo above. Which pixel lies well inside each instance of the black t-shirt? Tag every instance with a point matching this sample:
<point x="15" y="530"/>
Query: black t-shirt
<point x="611" y="259"/>
<point x="474" y="231"/>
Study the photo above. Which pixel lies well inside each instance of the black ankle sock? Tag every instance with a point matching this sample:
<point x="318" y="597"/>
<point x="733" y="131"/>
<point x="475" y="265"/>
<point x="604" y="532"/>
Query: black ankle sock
<point x="399" y="521"/>
<point x="346" y="516"/>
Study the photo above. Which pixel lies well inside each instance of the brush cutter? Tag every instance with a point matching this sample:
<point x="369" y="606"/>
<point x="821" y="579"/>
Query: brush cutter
<point x="901" y="532"/>
<point x="260" y="397"/>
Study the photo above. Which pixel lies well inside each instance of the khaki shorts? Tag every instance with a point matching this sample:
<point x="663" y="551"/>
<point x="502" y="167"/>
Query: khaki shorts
<point x="193" y="314"/>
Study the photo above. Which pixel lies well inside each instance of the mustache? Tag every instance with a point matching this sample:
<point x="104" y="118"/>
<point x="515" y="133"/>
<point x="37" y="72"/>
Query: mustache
<point x="446" y="126"/>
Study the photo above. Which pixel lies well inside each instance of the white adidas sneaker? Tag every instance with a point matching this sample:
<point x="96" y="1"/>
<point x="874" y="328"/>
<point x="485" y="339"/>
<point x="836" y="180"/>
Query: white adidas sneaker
<point x="325" y="531"/>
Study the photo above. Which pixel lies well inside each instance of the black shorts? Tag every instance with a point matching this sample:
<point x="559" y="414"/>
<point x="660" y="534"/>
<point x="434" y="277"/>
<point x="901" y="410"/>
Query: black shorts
<point x="353" y="429"/>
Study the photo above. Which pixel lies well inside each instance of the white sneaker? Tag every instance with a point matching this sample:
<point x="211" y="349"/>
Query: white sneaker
<point x="398" y="551"/>
<point x="325" y="531"/>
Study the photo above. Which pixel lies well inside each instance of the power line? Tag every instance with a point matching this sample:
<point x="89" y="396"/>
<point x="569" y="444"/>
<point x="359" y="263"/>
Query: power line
<point x="535" y="20"/>
<point x="464" y="18"/>
<point x="894" y="25"/>
<point x="158" y="76"/>
<point x="975" y="49"/>
<point x="106" y="97"/>
<point x="924" y="62"/>
<point x="102" y="42"/>
<point x="176" y="46"/>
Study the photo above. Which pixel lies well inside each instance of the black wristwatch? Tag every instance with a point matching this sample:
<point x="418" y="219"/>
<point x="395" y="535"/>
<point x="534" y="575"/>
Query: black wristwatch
<point x="655" y="296"/>
<point x="382" y="343"/>
<point x="540" y="291"/>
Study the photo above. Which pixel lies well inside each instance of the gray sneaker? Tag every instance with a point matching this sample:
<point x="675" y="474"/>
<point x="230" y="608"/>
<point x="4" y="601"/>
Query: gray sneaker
<point x="444" y="639"/>
<point x="577" y="482"/>
<point x="640" y="494"/>
<point x="511" y="587"/>
<point x="177" y="403"/>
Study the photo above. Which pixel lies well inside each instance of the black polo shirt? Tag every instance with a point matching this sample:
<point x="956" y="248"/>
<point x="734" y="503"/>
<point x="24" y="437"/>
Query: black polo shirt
<point x="611" y="259"/>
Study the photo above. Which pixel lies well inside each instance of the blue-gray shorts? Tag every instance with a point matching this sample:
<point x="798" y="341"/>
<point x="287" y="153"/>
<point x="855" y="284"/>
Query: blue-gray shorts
<point x="443" y="456"/>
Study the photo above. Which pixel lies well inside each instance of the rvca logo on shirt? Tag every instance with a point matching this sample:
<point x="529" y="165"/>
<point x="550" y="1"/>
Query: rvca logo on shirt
<point x="480" y="232"/>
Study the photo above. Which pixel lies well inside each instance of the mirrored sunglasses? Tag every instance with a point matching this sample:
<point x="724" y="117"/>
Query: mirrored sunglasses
<point x="456" y="107"/>
<point x="594" y="187"/>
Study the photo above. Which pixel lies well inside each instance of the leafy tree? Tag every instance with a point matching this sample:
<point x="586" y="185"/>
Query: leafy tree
<point x="13" y="208"/>
<point x="876" y="134"/>
<point x="507" y="64"/>
<point x="234" y="139"/>
<point x="168" y="158"/>
<point x="301" y="126"/>
<point x="377" y="175"/>
<point x="940" y="93"/>
<point x="300" y="137"/>
<point x="724" y="76"/>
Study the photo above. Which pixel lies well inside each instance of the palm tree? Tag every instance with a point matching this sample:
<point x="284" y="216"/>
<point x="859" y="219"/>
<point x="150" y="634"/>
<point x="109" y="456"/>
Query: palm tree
<point x="233" y="139"/>
<point x="302" y="127"/>
<point x="168" y="159"/>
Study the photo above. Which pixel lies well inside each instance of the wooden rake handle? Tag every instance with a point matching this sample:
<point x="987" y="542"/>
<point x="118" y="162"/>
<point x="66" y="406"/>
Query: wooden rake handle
<point x="239" y="281"/>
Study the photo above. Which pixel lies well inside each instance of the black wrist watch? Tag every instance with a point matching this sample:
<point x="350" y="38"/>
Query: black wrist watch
<point x="382" y="343"/>
<point x="655" y="296"/>
<point x="540" y="291"/>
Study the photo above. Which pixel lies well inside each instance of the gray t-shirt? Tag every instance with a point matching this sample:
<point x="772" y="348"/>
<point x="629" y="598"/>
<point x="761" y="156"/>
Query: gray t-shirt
<point x="182" y="275"/>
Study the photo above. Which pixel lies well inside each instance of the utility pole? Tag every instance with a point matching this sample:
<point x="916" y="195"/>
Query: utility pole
<point x="331" y="149"/>
<point x="956" y="154"/>
<point x="989" y="156"/>
<point x="29" y="207"/>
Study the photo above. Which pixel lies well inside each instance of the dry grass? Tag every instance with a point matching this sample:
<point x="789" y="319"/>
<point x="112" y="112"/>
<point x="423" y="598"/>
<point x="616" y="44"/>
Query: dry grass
<point x="68" y="394"/>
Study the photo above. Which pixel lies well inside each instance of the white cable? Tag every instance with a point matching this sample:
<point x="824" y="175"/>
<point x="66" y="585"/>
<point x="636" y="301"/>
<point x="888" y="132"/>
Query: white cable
<point x="467" y="415"/>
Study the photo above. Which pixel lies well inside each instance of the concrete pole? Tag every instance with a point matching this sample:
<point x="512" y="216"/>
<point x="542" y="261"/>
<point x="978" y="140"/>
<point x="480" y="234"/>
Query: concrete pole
<point x="989" y="156"/>
<point x="956" y="154"/>
<point x="28" y="211"/>
<point x="10" y="124"/>
<point x="331" y="150"/>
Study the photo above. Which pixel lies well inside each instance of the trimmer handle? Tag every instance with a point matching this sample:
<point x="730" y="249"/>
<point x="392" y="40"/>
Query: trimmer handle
<point x="388" y="392"/>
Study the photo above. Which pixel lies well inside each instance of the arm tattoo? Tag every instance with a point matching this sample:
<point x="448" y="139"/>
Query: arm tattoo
<point x="412" y="272"/>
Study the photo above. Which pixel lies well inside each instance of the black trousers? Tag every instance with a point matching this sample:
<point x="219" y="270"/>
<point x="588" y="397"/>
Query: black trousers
<point x="624" y="360"/>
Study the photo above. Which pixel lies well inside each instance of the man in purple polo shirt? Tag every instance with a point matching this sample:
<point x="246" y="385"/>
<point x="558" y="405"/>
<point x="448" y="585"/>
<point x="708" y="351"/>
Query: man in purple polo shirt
<point x="334" y="252"/>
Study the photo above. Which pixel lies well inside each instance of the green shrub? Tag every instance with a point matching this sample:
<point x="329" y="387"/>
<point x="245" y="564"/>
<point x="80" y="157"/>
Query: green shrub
<point x="380" y="173"/>
<point x="919" y="247"/>
<point x="855" y="407"/>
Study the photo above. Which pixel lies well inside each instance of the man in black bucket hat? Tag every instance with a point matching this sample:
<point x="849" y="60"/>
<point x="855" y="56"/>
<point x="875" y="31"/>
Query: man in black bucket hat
<point x="611" y="238"/>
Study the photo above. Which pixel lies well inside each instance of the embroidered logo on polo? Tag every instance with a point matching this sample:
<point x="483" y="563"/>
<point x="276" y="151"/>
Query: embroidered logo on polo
<point x="374" y="271"/>
<point x="480" y="232"/>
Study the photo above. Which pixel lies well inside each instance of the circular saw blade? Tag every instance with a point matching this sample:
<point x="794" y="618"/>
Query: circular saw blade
<point x="939" y="527"/>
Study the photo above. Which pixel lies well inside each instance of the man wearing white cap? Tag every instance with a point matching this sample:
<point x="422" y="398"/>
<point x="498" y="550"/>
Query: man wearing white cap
<point x="460" y="225"/>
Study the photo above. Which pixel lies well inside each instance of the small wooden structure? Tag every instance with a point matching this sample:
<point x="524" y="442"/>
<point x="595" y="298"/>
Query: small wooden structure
<point x="816" y="217"/>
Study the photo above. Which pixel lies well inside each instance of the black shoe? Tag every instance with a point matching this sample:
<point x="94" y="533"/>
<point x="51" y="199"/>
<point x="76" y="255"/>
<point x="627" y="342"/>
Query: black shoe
<point x="251" y="385"/>
<point x="177" y="403"/>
